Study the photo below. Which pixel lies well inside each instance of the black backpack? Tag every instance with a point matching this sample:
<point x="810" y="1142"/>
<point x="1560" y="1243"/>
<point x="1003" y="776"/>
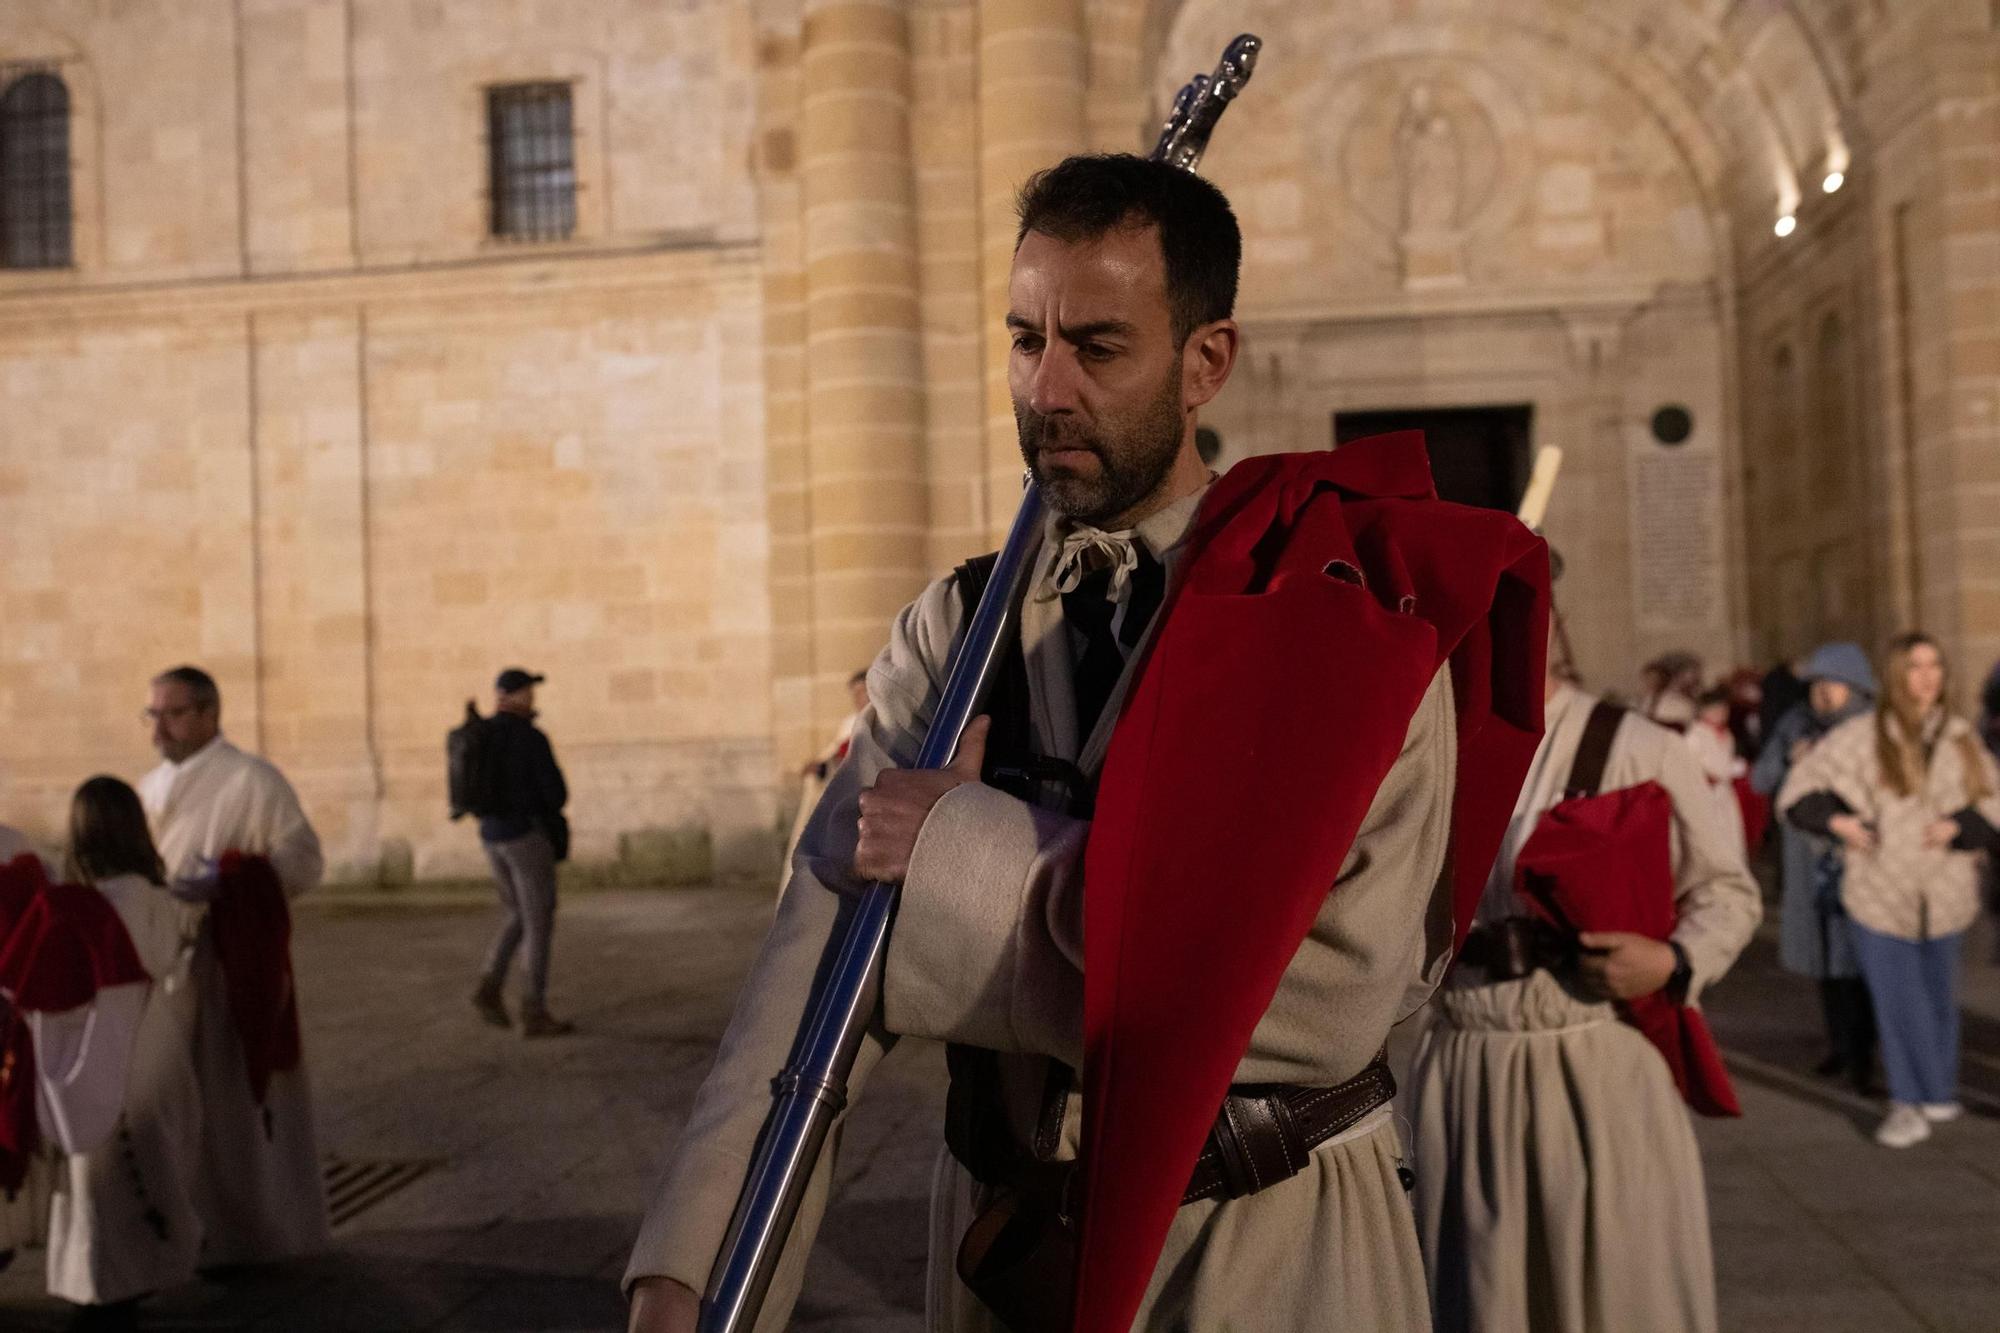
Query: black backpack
<point x="469" y="765"/>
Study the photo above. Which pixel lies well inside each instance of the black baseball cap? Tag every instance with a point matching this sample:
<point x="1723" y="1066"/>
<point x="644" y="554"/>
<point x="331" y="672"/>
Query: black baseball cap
<point x="514" y="678"/>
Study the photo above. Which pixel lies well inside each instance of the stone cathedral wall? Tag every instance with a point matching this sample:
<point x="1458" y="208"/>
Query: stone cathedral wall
<point x="295" y="415"/>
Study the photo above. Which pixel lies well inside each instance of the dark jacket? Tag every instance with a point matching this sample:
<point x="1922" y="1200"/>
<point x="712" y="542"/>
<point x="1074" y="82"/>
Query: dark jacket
<point x="527" y="781"/>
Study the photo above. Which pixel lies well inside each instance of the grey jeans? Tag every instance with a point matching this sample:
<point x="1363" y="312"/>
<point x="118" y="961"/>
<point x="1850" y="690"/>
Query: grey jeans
<point x="524" y="872"/>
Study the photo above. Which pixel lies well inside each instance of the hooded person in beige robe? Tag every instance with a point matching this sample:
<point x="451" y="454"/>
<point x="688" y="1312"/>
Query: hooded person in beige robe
<point x="258" y="1189"/>
<point x="987" y="948"/>
<point x="1559" y="1186"/>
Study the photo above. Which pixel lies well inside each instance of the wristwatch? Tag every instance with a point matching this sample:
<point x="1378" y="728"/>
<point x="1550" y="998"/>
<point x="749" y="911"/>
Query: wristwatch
<point x="1677" y="982"/>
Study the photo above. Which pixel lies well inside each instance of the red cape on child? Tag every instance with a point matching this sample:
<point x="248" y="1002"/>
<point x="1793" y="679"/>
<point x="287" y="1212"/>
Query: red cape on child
<point x="59" y="945"/>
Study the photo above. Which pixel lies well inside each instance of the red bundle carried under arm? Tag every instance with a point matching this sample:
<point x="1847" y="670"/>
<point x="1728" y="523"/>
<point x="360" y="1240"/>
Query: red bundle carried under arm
<point x="1602" y="863"/>
<point x="250" y="924"/>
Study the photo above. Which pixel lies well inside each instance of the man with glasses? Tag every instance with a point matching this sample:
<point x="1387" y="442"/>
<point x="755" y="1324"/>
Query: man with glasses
<point x="258" y="1185"/>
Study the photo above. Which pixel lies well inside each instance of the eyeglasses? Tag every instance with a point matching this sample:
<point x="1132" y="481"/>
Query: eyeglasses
<point x="154" y="716"/>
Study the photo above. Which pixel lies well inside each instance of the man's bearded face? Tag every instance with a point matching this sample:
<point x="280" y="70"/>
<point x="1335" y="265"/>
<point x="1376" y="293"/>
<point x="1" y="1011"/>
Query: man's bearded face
<point x="1095" y="470"/>
<point x="1096" y="372"/>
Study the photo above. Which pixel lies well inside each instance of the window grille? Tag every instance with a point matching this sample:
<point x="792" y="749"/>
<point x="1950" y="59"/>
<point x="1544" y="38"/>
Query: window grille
<point x="532" y="147"/>
<point x="34" y="171"/>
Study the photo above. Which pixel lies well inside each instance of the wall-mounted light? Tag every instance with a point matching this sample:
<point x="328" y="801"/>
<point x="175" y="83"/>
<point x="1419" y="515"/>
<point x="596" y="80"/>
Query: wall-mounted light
<point x="1786" y="225"/>
<point x="1837" y="159"/>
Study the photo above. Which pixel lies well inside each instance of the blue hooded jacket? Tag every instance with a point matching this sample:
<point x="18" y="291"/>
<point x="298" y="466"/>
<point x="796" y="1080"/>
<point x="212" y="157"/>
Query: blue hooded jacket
<point x="1812" y="931"/>
<point x="1844" y="662"/>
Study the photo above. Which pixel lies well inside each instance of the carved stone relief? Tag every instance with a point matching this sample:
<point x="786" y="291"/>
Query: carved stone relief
<point x="1429" y="155"/>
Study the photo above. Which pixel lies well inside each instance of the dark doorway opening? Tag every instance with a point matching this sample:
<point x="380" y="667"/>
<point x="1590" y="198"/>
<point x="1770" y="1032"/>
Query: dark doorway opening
<point x="1479" y="455"/>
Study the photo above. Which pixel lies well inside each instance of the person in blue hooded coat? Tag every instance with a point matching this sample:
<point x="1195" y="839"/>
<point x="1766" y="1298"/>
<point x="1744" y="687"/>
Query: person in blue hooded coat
<point x="1812" y="928"/>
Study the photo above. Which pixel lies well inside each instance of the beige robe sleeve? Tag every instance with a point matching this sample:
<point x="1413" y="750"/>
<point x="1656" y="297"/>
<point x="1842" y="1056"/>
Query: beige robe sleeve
<point x="1716" y="898"/>
<point x="988" y="947"/>
<point x="683" y="1230"/>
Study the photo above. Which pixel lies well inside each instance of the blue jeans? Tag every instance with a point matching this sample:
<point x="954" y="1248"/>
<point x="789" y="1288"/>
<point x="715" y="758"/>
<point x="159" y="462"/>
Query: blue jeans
<point x="1914" y="984"/>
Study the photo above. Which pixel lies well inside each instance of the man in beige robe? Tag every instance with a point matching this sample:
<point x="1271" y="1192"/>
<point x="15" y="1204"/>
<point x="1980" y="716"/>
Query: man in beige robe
<point x="987" y="949"/>
<point x="257" y="1186"/>
<point x="1559" y="1186"/>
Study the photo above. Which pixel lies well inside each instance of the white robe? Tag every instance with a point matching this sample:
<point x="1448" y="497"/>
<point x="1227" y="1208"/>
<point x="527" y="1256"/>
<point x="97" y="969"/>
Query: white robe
<point x="123" y="1222"/>
<point x="258" y="1191"/>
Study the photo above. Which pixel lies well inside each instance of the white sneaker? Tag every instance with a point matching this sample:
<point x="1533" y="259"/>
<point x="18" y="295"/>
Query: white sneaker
<point x="1904" y="1125"/>
<point x="1939" y="1113"/>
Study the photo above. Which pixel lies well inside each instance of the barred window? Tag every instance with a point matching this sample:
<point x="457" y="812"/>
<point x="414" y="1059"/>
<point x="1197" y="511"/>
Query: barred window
<point x="34" y="172"/>
<point x="532" y="148"/>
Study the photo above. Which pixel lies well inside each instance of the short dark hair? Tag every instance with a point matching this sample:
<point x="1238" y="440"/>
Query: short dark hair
<point x="108" y="834"/>
<point x="1083" y="197"/>
<point x="200" y="684"/>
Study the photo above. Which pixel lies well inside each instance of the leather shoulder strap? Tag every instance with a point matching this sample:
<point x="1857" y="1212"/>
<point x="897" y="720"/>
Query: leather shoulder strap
<point x="1010" y="743"/>
<point x="1586" y="774"/>
<point x="973" y="576"/>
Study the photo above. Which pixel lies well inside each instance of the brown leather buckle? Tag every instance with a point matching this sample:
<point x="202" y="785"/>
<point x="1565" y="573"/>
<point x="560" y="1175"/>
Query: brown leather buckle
<point x="1265" y="1134"/>
<point x="1257" y="1142"/>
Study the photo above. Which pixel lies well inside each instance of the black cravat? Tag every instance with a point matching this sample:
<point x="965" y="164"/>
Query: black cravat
<point x="1089" y="612"/>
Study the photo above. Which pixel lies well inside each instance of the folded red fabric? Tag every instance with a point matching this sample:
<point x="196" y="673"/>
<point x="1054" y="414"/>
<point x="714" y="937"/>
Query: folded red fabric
<point x="250" y="925"/>
<point x="1606" y="863"/>
<point x="1319" y="596"/>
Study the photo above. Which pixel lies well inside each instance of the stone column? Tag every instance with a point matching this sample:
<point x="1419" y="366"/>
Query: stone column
<point x="1031" y="115"/>
<point x="864" y="359"/>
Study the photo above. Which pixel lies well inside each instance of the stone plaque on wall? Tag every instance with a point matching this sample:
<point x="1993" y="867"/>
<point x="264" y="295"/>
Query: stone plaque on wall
<point x="1676" y="537"/>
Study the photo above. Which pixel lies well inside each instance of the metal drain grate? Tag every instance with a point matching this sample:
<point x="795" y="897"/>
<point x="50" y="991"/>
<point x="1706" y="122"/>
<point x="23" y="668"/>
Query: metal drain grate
<point x="352" y="1188"/>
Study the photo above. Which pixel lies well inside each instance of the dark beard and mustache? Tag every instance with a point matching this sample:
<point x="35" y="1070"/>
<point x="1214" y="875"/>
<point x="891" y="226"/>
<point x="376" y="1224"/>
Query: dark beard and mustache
<point x="1134" y="455"/>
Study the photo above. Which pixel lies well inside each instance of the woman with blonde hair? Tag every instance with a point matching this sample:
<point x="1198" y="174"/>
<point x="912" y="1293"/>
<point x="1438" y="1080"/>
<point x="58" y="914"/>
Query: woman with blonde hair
<point x="1913" y="798"/>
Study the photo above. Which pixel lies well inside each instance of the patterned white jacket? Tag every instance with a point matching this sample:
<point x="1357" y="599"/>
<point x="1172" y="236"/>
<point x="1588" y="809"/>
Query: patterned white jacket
<point x="1901" y="887"/>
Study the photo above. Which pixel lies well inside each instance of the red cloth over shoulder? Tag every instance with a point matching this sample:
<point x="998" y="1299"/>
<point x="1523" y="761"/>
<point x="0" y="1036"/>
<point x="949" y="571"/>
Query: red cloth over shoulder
<point x="59" y="945"/>
<point x="1319" y="596"/>
<point x="1606" y="863"/>
<point x="250" y="924"/>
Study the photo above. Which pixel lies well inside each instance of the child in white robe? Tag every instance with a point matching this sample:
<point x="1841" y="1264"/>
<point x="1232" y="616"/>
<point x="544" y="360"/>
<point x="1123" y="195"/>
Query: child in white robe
<point x="123" y="1223"/>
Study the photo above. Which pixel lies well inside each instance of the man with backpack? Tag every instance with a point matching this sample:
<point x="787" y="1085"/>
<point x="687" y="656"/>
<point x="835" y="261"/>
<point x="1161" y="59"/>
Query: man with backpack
<point x="517" y="791"/>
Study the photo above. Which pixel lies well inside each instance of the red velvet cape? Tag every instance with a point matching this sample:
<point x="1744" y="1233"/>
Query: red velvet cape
<point x="251" y="926"/>
<point x="59" y="945"/>
<point x="1320" y="595"/>
<point x="1606" y="862"/>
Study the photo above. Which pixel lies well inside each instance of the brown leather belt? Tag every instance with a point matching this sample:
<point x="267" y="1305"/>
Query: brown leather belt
<point x="1020" y="1254"/>
<point x="1514" y="946"/>
<point x="1264" y="1134"/>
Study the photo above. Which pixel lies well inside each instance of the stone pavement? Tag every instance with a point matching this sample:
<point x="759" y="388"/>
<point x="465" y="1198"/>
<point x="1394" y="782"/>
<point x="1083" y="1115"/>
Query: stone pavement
<point x="541" y="1154"/>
